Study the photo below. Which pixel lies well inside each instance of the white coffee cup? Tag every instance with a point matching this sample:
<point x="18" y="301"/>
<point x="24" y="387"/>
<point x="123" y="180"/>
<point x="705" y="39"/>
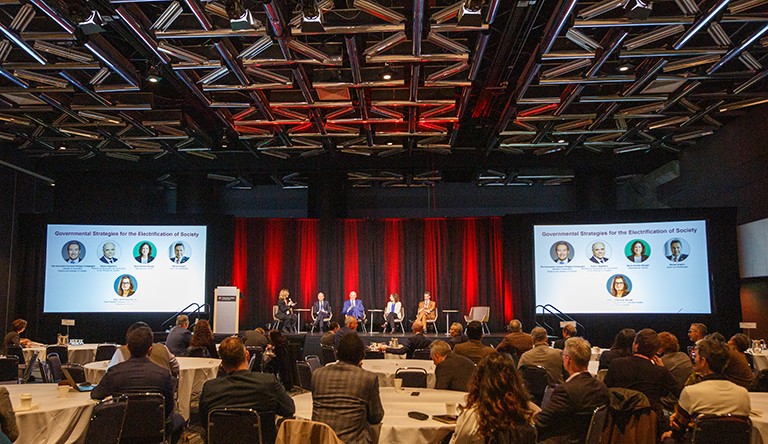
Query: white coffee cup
<point x="398" y="384"/>
<point x="26" y="400"/>
<point x="63" y="391"/>
<point x="450" y="408"/>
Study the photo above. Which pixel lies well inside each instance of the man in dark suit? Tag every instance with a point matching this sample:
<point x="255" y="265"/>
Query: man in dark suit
<point x="474" y="349"/>
<point x="562" y="252"/>
<point x="350" y="326"/>
<point x="321" y="310"/>
<point x="569" y="331"/>
<point x="108" y="253"/>
<point x="457" y="334"/>
<point x="345" y="396"/>
<point x="255" y="338"/>
<point x="676" y="247"/>
<point x="178" y="254"/>
<point x="416" y="342"/>
<point x="580" y="393"/>
<point x="179" y="338"/>
<point x="139" y="374"/>
<point x="517" y="341"/>
<point x="598" y="253"/>
<point x="245" y="389"/>
<point x="328" y="337"/>
<point x="452" y="372"/>
<point x="73" y="253"/>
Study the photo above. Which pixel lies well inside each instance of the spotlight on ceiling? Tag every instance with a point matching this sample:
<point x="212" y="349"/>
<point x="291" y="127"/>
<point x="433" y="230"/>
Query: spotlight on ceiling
<point x="638" y="9"/>
<point x="245" y="22"/>
<point x="153" y="76"/>
<point x="94" y="24"/>
<point x="388" y="73"/>
<point x="470" y="14"/>
<point x="624" y="67"/>
<point x="311" y="17"/>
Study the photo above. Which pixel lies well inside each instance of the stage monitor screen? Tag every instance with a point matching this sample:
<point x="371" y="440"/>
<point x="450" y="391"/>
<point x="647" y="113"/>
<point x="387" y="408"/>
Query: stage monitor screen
<point x="124" y="268"/>
<point x="644" y="267"/>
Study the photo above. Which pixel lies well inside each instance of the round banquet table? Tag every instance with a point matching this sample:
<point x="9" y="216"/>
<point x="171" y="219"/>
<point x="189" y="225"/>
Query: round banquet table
<point x="55" y="420"/>
<point x="759" y="417"/>
<point x="397" y="426"/>
<point x="77" y="354"/>
<point x="760" y="360"/>
<point x="193" y="373"/>
<point x="385" y="369"/>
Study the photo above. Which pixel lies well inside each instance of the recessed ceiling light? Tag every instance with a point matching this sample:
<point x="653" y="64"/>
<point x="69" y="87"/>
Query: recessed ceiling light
<point x="624" y="67"/>
<point x="62" y="147"/>
<point x="561" y="141"/>
<point x="389" y="143"/>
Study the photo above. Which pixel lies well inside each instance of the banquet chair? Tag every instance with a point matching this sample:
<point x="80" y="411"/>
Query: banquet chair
<point x="106" y="422"/>
<point x="236" y="426"/>
<point x="432" y="322"/>
<point x="26" y="375"/>
<point x="144" y="419"/>
<point x="313" y="361"/>
<point x="596" y="425"/>
<point x="373" y="354"/>
<point x="715" y="429"/>
<point x="60" y="350"/>
<point x="255" y="352"/>
<point x="104" y="352"/>
<point x="54" y="367"/>
<point x="275" y="322"/>
<point x="536" y="379"/>
<point x="76" y="371"/>
<point x="305" y="375"/>
<point x="328" y="354"/>
<point x="13" y="350"/>
<point x="521" y="434"/>
<point x="412" y="377"/>
<point x="314" y="319"/>
<point x="9" y="369"/>
<point x="302" y="430"/>
<point x="197" y="352"/>
<point x="422" y="353"/>
<point x="480" y="314"/>
<point x="760" y="383"/>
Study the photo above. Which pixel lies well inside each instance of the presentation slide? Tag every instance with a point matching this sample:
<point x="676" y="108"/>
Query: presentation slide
<point x="644" y="267"/>
<point x="124" y="268"/>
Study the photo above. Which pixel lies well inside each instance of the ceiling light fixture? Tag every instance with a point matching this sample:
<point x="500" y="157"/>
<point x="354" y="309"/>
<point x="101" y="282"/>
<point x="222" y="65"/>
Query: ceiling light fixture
<point x="153" y="76"/>
<point x="388" y="73"/>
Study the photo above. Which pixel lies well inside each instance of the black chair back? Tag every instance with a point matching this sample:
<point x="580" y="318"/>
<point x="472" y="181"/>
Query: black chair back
<point x="373" y="354"/>
<point x="717" y="429"/>
<point x="412" y="377"/>
<point x="28" y="370"/>
<point x="328" y="354"/>
<point x="60" y="350"/>
<point x="521" y="434"/>
<point x="305" y="375"/>
<point x="422" y="353"/>
<point x="107" y="420"/>
<point x="76" y="371"/>
<point x="313" y="361"/>
<point x="9" y="369"/>
<point x="197" y="352"/>
<point x="104" y="352"/>
<point x="240" y="426"/>
<point x="13" y="350"/>
<point x="536" y="379"/>
<point x="760" y="383"/>
<point x="256" y="352"/>
<point x="145" y="419"/>
<point x="596" y="425"/>
<point x="54" y="367"/>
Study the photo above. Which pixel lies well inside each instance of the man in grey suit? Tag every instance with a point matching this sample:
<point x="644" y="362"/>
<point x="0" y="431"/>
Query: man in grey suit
<point x="345" y="396"/>
<point x="541" y="354"/>
<point x="452" y="372"/>
<point x="255" y="338"/>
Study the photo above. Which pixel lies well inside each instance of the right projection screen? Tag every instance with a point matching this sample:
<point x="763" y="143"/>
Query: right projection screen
<point x="644" y="267"/>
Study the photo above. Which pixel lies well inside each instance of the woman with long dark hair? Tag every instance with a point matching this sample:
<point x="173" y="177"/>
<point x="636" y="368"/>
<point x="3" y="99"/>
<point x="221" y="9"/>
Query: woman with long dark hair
<point x="202" y="337"/>
<point x="279" y="358"/>
<point x="622" y="347"/>
<point x="497" y="405"/>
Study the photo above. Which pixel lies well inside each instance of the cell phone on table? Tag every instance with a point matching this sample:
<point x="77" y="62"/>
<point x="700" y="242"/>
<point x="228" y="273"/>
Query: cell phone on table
<point x="415" y="393"/>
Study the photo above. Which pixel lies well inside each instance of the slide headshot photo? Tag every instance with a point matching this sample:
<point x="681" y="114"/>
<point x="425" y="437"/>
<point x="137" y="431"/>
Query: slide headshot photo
<point x="619" y="285"/>
<point x="677" y="249"/>
<point x="599" y="252"/>
<point x="179" y="252"/>
<point x="73" y="252"/>
<point x="109" y="252"/>
<point x="637" y="251"/>
<point x="126" y="285"/>
<point x="144" y="252"/>
<point x="561" y="252"/>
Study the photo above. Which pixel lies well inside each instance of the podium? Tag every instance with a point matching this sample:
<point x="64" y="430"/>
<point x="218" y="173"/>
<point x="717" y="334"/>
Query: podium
<point x="226" y="310"/>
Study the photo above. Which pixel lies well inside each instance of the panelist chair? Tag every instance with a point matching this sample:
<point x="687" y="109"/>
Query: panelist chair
<point x="275" y="322"/>
<point x="400" y="319"/>
<point x="480" y="314"/>
<point x="325" y="320"/>
<point x="432" y="322"/>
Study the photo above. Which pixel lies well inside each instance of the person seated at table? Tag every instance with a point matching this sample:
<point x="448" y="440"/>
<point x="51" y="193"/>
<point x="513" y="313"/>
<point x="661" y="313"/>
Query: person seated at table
<point x="621" y="348"/>
<point x="279" y="360"/>
<point x="738" y="370"/>
<point x="243" y="388"/>
<point x="202" y="337"/>
<point x="393" y="312"/>
<point x="329" y="336"/>
<point x="321" y="310"/>
<point x="740" y="342"/>
<point x="345" y="396"/>
<point x="350" y="326"/>
<point x="354" y="307"/>
<point x="517" y="341"/>
<point x="255" y="338"/>
<point x="416" y="342"/>
<point x="8" y="427"/>
<point x="569" y="331"/>
<point x="714" y="395"/>
<point x="179" y="337"/>
<point x="580" y="393"/>
<point x="677" y="362"/>
<point x="159" y="355"/>
<point x="457" y="334"/>
<point x="13" y="338"/>
<point x="544" y="355"/>
<point x="452" y="372"/>
<point x="139" y="374"/>
<point x="497" y="404"/>
<point x="285" y="311"/>
<point x="474" y="349"/>
<point x="426" y="310"/>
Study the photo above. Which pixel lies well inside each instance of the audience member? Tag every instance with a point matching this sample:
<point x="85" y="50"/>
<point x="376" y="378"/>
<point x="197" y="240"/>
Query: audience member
<point x="541" y="354"/>
<point x="350" y="326"/>
<point x="416" y="342"/>
<point x="243" y="388"/>
<point x="280" y="363"/>
<point x="255" y="338"/>
<point x="497" y="404"/>
<point x="621" y="348"/>
<point x="677" y="362"/>
<point x="696" y="332"/>
<point x="580" y="393"/>
<point x="327" y="338"/>
<point x="452" y="372"/>
<point x="569" y="331"/>
<point x="159" y="355"/>
<point x="740" y="342"/>
<point x="202" y="337"/>
<point x="643" y="371"/>
<point x="474" y="349"/>
<point x="7" y="416"/>
<point x="713" y="395"/>
<point x="457" y="334"/>
<point x="737" y="369"/>
<point x="179" y="337"/>
<point x="345" y="396"/>
<point x="517" y="340"/>
<point x="139" y="374"/>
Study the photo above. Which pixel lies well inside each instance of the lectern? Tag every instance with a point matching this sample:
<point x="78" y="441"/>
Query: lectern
<point x="226" y="310"/>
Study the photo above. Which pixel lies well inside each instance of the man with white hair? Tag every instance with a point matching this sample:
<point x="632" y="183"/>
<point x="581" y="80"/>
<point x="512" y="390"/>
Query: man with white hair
<point x="541" y="354"/>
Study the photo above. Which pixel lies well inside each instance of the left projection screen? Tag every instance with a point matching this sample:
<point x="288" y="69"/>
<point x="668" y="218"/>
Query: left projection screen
<point x="124" y="268"/>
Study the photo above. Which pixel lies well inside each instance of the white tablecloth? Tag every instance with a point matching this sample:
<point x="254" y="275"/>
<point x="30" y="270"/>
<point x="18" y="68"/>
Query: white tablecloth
<point x="193" y="373"/>
<point x="397" y="427"/>
<point x="760" y="360"/>
<point x="77" y="354"/>
<point x="56" y="420"/>
<point x="759" y="417"/>
<point x="385" y="369"/>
